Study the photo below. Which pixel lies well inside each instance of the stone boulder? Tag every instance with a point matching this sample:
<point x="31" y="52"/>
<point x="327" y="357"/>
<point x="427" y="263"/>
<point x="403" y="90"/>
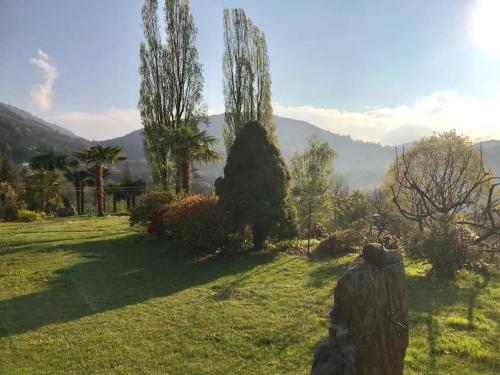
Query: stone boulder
<point x="368" y="327"/>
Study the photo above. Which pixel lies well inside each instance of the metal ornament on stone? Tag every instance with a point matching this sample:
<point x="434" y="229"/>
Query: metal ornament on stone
<point x="376" y="254"/>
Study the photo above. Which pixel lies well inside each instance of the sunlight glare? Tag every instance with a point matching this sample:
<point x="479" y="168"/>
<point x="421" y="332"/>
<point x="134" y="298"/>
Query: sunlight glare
<point x="486" y="25"/>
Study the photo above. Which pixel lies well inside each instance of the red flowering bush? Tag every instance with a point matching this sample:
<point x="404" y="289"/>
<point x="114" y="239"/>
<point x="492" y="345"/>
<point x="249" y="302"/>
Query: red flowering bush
<point x="142" y="214"/>
<point x="155" y="226"/>
<point x="196" y="223"/>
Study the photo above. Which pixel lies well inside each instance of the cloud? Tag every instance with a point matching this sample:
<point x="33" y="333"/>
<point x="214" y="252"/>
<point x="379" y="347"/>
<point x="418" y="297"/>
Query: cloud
<point x="42" y="93"/>
<point x="111" y="123"/>
<point x="478" y="118"/>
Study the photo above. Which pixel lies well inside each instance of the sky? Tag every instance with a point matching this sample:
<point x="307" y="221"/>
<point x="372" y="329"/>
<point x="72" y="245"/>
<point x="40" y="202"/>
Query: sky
<point x="387" y="71"/>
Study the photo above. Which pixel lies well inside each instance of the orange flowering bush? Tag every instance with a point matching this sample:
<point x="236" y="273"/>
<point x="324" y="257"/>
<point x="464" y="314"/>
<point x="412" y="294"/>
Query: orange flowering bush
<point x="196" y="223"/>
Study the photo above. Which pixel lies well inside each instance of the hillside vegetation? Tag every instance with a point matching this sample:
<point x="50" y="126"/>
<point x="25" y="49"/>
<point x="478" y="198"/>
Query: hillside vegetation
<point x="24" y="136"/>
<point x="89" y="295"/>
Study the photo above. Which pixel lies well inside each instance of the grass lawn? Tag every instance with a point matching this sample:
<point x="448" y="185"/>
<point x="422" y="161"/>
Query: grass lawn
<point x="92" y="296"/>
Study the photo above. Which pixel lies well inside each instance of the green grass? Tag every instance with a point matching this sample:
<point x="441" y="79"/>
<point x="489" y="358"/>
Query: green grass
<point x="93" y="296"/>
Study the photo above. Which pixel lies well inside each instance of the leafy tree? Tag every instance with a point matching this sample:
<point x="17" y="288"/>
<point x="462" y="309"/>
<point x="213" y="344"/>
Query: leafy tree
<point x="443" y="186"/>
<point x="190" y="144"/>
<point x="171" y="92"/>
<point x="7" y="172"/>
<point x="246" y="77"/>
<point x="442" y="175"/>
<point x="255" y="184"/>
<point x="98" y="156"/>
<point x="350" y="208"/>
<point x="9" y="204"/>
<point x="42" y="189"/>
<point x="313" y="182"/>
<point x="42" y="184"/>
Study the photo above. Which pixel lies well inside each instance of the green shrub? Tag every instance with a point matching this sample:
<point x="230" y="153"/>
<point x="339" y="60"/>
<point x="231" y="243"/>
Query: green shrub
<point x="142" y="213"/>
<point x="9" y="204"/>
<point x="9" y="210"/>
<point x="318" y="231"/>
<point x="25" y="215"/>
<point x="448" y="248"/>
<point x="65" y="211"/>
<point x="197" y="224"/>
<point x="340" y="243"/>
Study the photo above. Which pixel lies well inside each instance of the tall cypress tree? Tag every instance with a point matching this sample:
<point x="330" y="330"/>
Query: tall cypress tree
<point x="255" y="185"/>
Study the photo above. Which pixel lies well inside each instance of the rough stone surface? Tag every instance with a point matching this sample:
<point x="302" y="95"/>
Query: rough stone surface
<point x="368" y="328"/>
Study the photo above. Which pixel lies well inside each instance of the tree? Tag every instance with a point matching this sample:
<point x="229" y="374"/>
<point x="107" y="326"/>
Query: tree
<point x="128" y="189"/>
<point x="42" y="184"/>
<point x="42" y="189"/>
<point x="7" y="172"/>
<point x="98" y="156"/>
<point x="171" y="93"/>
<point x="443" y="186"/>
<point x="255" y="185"/>
<point x="313" y="181"/>
<point x="50" y="161"/>
<point x="442" y="175"/>
<point x="137" y="187"/>
<point x="190" y="144"/>
<point x="78" y="177"/>
<point x="351" y="208"/>
<point x="246" y="77"/>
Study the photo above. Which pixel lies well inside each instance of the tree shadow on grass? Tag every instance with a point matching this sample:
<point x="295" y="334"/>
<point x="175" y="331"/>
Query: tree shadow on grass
<point x="330" y="268"/>
<point x="427" y="296"/>
<point x="118" y="272"/>
<point x="26" y="245"/>
<point x="479" y="286"/>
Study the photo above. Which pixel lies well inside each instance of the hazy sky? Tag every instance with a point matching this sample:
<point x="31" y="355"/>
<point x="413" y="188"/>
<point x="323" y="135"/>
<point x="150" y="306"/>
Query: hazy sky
<point x="387" y="71"/>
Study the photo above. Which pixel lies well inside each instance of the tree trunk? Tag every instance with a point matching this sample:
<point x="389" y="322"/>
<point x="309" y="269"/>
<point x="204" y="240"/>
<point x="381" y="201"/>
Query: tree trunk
<point x="99" y="185"/>
<point x="260" y="233"/>
<point x="82" y="200"/>
<point x="128" y="201"/>
<point x="186" y="175"/>
<point x="368" y="328"/>
<point x="77" y="190"/>
<point x="178" y="177"/>
<point x="133" y="200"/>
<point x="114" y="203"/>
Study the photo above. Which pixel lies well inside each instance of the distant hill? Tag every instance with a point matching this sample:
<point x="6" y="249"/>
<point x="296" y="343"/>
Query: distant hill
<point x="361" y="164"/>
<point x="491" y="152"/>
<point x="29" y="117"/>
<point x="23" y="135"/>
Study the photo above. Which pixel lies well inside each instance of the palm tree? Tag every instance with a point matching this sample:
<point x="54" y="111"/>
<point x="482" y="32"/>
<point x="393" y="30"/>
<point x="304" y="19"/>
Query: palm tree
<point x="78" y="177"/>
<point x="190" y="144"/>
<point x="98" y="156"/>
<point x="50" y="161"/>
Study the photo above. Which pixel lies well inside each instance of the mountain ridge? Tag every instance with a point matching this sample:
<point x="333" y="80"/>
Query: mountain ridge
<point x="362" y="164"/>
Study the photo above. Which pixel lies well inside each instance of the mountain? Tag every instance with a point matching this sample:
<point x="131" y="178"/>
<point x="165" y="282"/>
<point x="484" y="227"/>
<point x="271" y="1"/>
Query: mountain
<point x="30" y="118"/>
<point x="23" y="135"/>
<point x="361" y="164"/>
<point x="491" y="153"/>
